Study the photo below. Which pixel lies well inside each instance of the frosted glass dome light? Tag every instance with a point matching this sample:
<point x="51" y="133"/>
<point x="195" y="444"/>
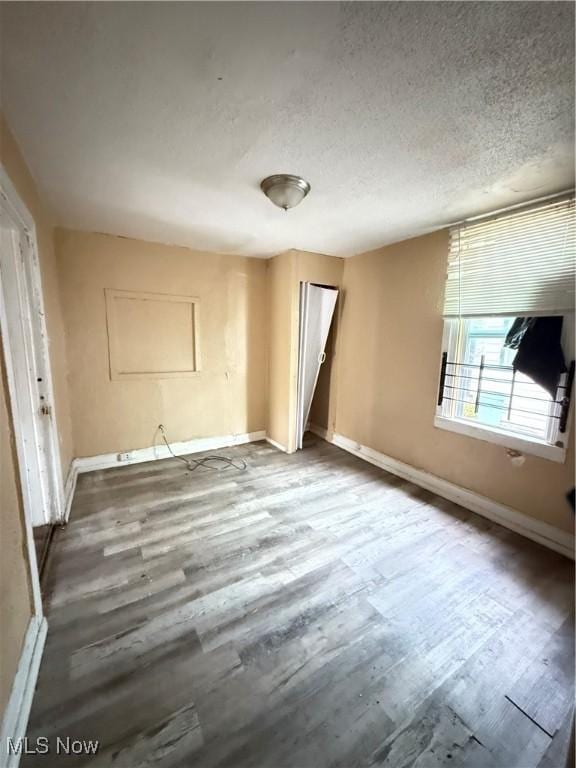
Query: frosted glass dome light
<point x="285" y="190"/>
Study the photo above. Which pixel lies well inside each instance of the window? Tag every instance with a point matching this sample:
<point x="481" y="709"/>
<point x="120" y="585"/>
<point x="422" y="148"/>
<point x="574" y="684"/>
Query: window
<point x="520" y="264"/>
<point x="482" y="389"/>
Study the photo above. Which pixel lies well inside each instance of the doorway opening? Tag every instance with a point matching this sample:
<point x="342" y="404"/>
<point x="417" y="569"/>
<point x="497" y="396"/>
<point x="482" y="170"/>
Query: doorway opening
<point x="317" y="305"/>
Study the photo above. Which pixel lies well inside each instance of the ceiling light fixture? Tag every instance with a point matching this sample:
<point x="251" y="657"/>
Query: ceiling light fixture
<point x="285" y="190"/>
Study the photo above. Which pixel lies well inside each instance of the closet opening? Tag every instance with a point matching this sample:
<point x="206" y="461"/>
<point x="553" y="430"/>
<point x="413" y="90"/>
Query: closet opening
<point x="316" y="314"/>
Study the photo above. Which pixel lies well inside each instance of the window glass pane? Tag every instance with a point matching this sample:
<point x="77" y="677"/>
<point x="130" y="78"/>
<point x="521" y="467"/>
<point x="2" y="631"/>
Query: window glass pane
<point x="494" y="395"/>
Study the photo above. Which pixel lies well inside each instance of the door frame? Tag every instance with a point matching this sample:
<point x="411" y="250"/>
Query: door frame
<point x="303" y="299"/>
<point x="33" y="313"/>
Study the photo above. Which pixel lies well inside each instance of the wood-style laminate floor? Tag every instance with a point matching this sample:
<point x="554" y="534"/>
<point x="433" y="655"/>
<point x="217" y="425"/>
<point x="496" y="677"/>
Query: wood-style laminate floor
<point x="312" y="611"/>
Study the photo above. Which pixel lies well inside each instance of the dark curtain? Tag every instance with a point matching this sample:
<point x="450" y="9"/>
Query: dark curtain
<point x="539" y="354"/>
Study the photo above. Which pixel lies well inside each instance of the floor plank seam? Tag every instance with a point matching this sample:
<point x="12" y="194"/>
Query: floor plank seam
<point x="536" y="723"/>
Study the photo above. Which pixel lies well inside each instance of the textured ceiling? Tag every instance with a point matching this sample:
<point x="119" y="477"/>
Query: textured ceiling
<point x="158" y="120"/>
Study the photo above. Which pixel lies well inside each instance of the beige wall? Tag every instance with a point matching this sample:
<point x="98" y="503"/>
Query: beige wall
<point x="281" y="274"/>
<point x="16" y="168"/>
<point x="227" y="396"/>
<point x="15" y="593"/>
<point x="391" y="333"/>
<point x="285" y="272"/>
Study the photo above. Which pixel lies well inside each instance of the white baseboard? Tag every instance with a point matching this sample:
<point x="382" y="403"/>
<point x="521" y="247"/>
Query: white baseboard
<point x="534" y="529"/>
<point x="276" y="445"/>
<point x="15" y="720"/>
<point x="69" y="488"/>
<point x="156" y="452"/>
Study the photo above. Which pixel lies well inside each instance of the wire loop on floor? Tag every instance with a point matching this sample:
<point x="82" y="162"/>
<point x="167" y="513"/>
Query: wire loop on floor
<point x="207" y="462"/>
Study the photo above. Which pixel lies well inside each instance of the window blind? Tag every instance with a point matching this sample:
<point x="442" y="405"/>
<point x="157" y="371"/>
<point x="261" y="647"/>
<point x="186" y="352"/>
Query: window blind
<point x="517" y="263"/>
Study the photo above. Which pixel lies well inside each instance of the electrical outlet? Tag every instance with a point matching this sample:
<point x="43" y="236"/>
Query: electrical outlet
<point x="124" y="456"/>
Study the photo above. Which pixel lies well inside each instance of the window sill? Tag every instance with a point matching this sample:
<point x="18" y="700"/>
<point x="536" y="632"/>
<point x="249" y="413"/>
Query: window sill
<point x="491" y="435"/>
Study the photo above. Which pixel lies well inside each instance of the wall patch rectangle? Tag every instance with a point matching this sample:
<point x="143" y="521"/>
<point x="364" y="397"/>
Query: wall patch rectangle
<point x="151" y="335"/>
